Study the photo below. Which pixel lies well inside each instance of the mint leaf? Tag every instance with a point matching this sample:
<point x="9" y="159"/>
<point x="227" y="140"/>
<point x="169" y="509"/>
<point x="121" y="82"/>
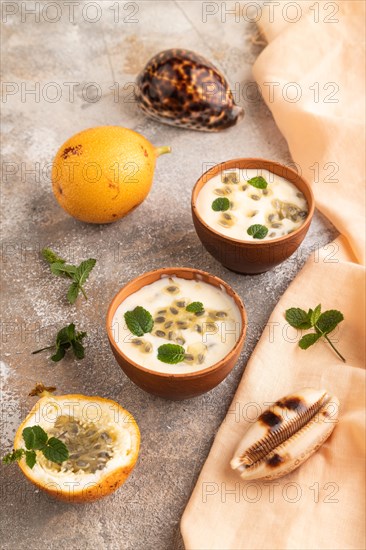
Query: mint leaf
<point x="314" y="314"/>
<point x="73" y="293"/>
<point x="328" y="321"/>
<point x="139" y="321"/>
<point x="83" y="270"/>
<point x="195" y="307"/>
<point x="308" y="340"/>
<point x="28" y="437"/>
<point x="70" y="331"/>
<point x="132" y="324"/>
<point x="51" y="257"/>
<point x="298" y="318"/>
<point x="323" y="323"/>
<point x="34" y="437"/>
<point x="63" y="335"/>
<point x="60" y="354"/>
<point x="171" y="353"/>
<point x="79" y="274"/>
<point x="259" y="182"/>
<point x="14" y="456"/>
<point x="67" y="338"/>
<point x="78" y="349"/>
<point x="56" y="450"/>
<point x="62" y="269"/>
<point x="220" y="204"/>
<point x="257" y="231"/>
<point x="30" y="458"/>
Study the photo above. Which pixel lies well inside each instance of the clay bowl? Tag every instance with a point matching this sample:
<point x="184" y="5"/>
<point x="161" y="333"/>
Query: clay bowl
<point x="176" y="386"/>
<point x="251" y="256"/>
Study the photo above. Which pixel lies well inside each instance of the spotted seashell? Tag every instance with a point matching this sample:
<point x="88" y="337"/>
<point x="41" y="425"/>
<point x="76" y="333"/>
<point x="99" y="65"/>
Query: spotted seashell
<point x="182" y="88"/>
<point x="286" y="434"/>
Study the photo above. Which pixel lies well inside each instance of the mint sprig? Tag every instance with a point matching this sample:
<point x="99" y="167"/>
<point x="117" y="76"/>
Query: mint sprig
<point x="67" y="338"/>
<point x="78" y="274"/>
<point x="259" y="182"/>
<point x="322" y="323"/>
<point x="36" y="439"/>
<point x="257" y="231"/>
<point x="139" y="321"/>
<point x="220" y="204"/>
<point x="195" y="307"/>
<point x="171" y="353"/>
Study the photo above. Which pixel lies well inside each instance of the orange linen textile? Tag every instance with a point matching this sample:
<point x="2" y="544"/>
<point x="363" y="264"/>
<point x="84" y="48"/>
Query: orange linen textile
<point x="321" y="505"/>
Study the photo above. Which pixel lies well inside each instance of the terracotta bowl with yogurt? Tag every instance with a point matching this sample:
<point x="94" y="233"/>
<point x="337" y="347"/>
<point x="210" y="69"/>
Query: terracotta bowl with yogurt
<point x="251" y="214"/>
<point x="176" y="332"/>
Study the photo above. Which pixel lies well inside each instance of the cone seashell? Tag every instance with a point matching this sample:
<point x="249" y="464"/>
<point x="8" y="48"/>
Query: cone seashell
<point x="286" y="434"/>
<point x="181" y="88"/>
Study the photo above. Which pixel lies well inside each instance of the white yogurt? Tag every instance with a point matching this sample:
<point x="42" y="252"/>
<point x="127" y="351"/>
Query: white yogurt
<point x="206" y="337"/>
<point x="281" y="207"/>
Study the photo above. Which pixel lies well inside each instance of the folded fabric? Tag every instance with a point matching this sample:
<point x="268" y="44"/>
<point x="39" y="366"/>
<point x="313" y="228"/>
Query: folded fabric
<point x="312" y="77"/>
<point x="320" y="505"/>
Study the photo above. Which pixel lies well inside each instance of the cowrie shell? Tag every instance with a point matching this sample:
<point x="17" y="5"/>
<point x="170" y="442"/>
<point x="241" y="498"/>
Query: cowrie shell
<point x="286" y="434"/>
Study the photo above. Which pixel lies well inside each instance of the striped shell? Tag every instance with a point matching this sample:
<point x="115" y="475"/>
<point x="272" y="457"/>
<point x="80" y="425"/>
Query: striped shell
<point x="182" y="88"/>
<point x="286" y="434"/>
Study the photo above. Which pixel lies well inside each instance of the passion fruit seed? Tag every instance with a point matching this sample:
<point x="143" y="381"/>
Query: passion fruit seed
<point x="227" y="220"/>
<point x="288" y="210"/>
<point x="221" y="314"/>
<point x="182" y="324"/>
<point x="159" y="320"/>
<point x="229" y="177"/>
<point x="90" y="447"/>
<point x="196" y="351"/>
<point x="199" y="313"/>
<point x="136" y="342"/>
<point x="160" y="333"/>
<point x="172" y="289"/>
<point x="143" y="345"/>
<point x="255" y="197"/>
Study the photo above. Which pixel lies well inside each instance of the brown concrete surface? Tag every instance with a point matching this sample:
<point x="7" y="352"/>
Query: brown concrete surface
<point x="176" y="436"/>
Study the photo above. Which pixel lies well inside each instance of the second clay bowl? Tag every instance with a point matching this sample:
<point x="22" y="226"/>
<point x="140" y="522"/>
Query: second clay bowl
<point x="251" y="256"/>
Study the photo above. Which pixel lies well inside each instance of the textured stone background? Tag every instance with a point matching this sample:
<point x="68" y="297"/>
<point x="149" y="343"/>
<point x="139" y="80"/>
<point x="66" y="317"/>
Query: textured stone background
<point x="176" y="437"/>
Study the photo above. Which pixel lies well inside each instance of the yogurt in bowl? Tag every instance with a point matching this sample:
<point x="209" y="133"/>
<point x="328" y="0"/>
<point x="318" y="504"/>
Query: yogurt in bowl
<point x="201" y="319"/>
<point x="176" y="332"/>
<point x="236" y="202"/>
